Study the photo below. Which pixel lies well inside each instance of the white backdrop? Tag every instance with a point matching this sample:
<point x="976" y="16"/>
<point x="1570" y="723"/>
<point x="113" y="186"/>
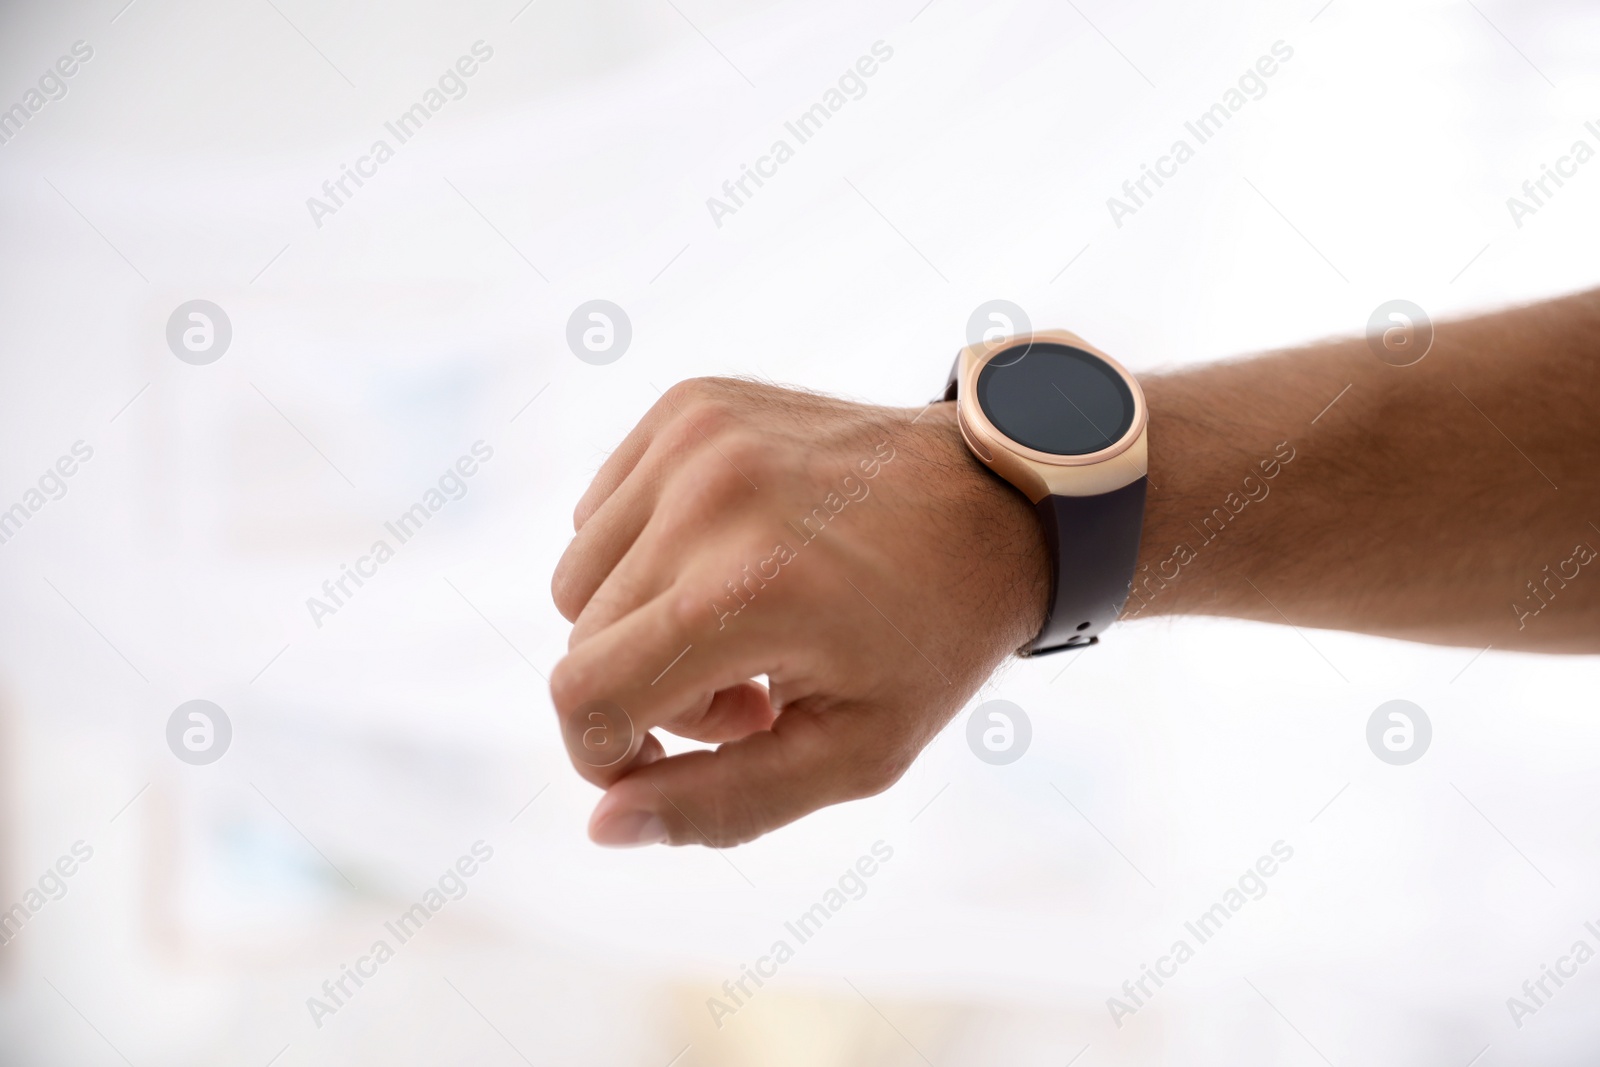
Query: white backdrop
<point x="429" y="312"/>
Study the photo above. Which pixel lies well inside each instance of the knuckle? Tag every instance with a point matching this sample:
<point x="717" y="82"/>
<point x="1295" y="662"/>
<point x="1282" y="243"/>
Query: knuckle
<point x="709" y="418"/>
<point x="685" y="432"/>
<point x="569" y="687"/>
<point x="872" y="769"/>
<point x="717" y="482"/>
<point x="747" y="451"/>
<point x="565" y="591"/>
<point x="692" y="389"/>
<point x="693" y="608"/>
<point x="708" y="406"/>
<point x="708" y="486"/>
<point x="684" y="391"/>
<point x="580" y="632"/>
<point x="867" y="777"/>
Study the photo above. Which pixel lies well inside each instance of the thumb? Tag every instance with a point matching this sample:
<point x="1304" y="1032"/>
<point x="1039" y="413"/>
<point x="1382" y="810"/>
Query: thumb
<point x="745" y="788"/>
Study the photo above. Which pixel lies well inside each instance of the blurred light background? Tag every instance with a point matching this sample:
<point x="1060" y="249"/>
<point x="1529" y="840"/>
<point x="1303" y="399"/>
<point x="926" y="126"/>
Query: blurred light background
<point x="429" y="312"/>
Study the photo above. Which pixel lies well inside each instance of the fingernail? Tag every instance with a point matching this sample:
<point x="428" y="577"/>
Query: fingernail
<point x="630" y="829"/>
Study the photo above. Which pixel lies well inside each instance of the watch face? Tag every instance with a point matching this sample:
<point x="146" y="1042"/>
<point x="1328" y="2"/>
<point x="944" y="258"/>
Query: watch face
<point x="1055" y="398"/>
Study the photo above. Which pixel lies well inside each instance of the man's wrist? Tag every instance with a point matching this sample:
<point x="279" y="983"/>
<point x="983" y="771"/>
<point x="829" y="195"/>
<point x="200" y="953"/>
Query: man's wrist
<point x="1176" y="572"/>
<point x="1015" y="551"/>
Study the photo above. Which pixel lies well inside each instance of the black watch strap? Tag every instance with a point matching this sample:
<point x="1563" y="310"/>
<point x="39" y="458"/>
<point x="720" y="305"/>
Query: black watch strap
<point x="1094" y="548"/>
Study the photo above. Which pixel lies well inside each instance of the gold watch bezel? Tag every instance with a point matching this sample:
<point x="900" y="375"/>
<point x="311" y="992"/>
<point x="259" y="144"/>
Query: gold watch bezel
<point x="1040" y="474"/>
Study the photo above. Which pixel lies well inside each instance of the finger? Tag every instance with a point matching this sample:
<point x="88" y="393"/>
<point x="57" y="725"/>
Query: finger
<point x="650" y="667"/>
<point x="617" y="467"/>
<point x="736" y="793"/>
<point x="645" y="573"/>
<point x="650" y="566"/>
<point x="726" y="715"/>
<point x="669" y="411"/>
<point x="661" y="551"/>
<point x="601" y="543"/>
<point x="664" y="478"/>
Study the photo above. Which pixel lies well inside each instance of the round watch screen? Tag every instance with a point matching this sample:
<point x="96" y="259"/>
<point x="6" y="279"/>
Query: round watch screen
<point x="1055" y="398"/>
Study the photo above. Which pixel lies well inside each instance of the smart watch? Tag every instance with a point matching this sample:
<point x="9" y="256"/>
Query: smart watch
<point x="1065" y="424"/>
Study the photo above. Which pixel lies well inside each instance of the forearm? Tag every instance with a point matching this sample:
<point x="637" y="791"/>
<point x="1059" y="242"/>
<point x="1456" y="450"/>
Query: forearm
<point x="1453" y="501"/>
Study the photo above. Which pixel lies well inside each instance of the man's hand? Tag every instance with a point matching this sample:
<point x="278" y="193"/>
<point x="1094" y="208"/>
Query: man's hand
<point x="876" y="573"/>
<point x="857" y="556"/>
